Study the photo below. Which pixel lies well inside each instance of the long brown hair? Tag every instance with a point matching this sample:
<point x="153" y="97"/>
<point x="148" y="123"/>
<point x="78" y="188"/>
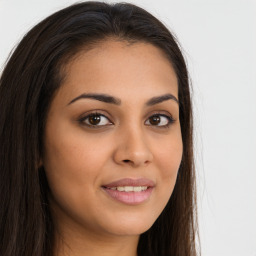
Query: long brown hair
<point x="28" y="84"/>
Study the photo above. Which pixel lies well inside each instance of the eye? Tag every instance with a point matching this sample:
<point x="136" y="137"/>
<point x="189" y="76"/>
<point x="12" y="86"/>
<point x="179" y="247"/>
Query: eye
<point x="163" y="121"/>
<point x="95" y="119"/>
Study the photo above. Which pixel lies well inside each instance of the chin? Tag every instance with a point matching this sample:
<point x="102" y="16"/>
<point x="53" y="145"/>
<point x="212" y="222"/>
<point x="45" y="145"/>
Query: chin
<point x="130" y="231"/>
<point x="130" y="226"/>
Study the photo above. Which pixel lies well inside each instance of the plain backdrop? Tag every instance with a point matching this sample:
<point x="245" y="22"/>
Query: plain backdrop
<point x="218" y="38"/>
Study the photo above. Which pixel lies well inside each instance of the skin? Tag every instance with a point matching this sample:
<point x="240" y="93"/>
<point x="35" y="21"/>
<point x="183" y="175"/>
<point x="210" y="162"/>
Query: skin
<point x="79" y="159"/>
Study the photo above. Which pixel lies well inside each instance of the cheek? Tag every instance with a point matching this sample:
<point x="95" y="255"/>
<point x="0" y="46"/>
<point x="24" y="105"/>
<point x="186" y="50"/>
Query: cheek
<point x="72" y="152"/>
<point x="168" y="161"/>
<point x="73" y="166"/>
<point x="73" y="163"/>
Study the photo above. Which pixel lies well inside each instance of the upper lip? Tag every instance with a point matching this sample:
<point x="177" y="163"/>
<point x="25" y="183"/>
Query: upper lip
<point x="131" y="182"/>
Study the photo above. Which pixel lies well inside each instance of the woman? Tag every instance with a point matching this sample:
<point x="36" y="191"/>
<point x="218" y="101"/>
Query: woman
<point x="96" y="138"/>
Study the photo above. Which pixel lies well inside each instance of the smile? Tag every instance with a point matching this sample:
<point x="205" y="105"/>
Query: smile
<point x="130" y="188"/>
<point x="130" y="191"/>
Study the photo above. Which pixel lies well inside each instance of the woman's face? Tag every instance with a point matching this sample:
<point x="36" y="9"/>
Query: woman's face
<point x="113" y="143"/>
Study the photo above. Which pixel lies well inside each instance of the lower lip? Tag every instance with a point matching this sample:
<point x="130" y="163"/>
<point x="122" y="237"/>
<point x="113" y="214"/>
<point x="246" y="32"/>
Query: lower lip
<point x="130" y="198"/>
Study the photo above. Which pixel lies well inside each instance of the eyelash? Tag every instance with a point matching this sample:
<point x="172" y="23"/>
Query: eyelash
<point x="82" y="120"/>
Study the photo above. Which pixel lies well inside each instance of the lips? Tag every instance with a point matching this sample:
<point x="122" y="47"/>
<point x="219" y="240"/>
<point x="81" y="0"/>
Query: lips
<point x="130" y="191"/>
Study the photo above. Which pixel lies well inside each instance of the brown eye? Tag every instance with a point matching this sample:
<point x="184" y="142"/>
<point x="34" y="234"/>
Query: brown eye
<point x="155" y="120"/>
<point x="95" y="120"/>
<point x="159" y="120"/>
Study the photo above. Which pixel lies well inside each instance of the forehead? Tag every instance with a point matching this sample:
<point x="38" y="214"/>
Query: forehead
<point x="120" y="68"/>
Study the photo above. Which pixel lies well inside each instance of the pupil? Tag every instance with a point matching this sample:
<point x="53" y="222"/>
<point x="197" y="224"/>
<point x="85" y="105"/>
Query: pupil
<point x="155" y="120"/>
<point x="94" y="119"/>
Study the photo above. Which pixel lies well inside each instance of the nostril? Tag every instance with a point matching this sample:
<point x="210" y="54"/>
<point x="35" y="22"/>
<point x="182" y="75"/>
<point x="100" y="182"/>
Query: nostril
<point x="126" y="161"/>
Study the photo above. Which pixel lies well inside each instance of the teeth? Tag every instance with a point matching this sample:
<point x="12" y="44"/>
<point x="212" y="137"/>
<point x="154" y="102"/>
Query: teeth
<point x="126" y="189"/>
<point x="130" y="188"/>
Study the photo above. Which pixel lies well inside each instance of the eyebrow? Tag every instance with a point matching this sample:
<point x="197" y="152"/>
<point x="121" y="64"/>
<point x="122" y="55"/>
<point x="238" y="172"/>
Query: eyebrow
<point x="116" y="101"/>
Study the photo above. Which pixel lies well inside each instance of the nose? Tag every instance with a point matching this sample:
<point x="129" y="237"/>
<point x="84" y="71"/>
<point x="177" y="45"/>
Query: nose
<point x="132" y="149"/>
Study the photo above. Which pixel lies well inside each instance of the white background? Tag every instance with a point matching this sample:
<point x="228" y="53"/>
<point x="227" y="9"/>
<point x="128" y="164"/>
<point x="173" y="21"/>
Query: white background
<point x="219" y="41"/>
